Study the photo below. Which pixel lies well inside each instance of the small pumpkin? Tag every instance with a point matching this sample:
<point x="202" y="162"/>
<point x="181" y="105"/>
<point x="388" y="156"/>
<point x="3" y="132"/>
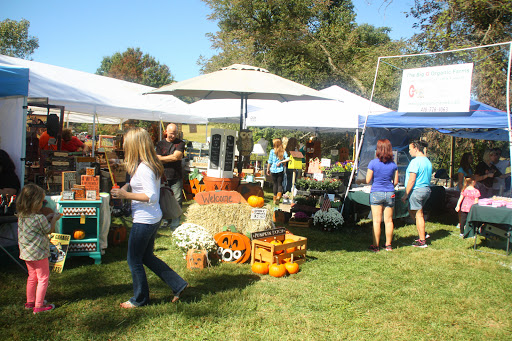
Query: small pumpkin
<point x="260" y="268"/>
<point x="277" y="242"/>
<point x="277" y="270"/>
<point x="291" y="267"/>
<point x="79" y="234"/>
<point x="289" y="250"/>
<point x="255" y="201"/>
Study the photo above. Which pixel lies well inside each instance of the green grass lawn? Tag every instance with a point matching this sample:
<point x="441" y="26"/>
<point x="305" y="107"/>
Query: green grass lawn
<point x="343" y="292"/>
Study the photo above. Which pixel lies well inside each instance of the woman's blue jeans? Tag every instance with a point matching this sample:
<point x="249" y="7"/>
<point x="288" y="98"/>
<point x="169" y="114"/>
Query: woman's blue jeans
<point x="140" y="252"/>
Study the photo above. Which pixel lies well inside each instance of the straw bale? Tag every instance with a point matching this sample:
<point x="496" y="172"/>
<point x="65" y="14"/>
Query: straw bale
<point x="214" y="217"/>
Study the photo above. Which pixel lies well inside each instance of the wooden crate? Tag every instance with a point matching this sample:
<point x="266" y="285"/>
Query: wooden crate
<point x="293" y="223"/>
<point x="268" y="251"/>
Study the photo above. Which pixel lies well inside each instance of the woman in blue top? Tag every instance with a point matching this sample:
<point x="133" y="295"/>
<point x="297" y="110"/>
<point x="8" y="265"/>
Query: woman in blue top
<point x="276" y="159"/>
<point x="417" y="190"/>
<point x="384" y="173"/>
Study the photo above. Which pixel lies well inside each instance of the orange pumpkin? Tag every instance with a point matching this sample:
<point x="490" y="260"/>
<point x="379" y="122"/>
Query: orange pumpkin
<point x="277" y="242"/>
<point x="260" y="268"/>
<point x="291" y="267"/>
<point x="255" y="201"/>
<point x="277" y="270"/>
<point x="289" y="250"/>
<point x="233" y="247"/>
<point x="79" y="234"/>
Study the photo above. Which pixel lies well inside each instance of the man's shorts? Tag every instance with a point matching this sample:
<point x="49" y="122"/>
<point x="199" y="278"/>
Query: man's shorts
<point x="386" y="199"/>
<point x="418" y="198"/>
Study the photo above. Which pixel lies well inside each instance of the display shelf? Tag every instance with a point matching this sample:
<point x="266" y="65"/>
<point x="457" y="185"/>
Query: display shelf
<point x="82" y="215"/>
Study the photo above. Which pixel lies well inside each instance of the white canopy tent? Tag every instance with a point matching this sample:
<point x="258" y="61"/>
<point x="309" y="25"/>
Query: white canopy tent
<point x="85" y="93"/>
<point x="318" y="115"/>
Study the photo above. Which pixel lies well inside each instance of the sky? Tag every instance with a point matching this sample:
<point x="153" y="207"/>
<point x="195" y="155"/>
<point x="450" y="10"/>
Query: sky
<point x="79" y="34"/>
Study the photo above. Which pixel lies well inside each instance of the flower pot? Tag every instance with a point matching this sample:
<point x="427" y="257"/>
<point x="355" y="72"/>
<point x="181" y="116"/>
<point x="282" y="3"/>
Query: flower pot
<point x="220" y="184"/>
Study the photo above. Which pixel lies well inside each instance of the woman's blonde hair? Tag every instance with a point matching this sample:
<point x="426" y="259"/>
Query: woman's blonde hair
<point x="138" y="147"/>
<point x="29" y="199"/>
<point x="278" y="148"/>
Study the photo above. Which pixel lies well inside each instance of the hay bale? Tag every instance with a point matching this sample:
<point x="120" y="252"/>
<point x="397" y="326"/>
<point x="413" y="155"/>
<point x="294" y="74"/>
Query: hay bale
<point x="214" y="217"/>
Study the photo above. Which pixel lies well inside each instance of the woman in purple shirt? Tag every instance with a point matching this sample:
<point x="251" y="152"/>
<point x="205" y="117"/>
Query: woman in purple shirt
<point x="384" y="173"/>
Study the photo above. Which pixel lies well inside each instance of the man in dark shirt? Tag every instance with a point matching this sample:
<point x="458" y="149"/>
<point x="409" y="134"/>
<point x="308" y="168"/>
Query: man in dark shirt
<point x="170" y="152"/>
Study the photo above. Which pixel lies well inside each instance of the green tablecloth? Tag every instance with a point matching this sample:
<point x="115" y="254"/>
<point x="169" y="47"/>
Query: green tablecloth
<point x="487" y="214"/>
<point x="435" y="202"/>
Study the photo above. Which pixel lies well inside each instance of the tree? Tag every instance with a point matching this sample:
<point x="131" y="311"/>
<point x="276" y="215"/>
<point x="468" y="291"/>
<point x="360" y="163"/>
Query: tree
<point x="134" y="66"/>
<point x="314" y="42"/>
<point x="14" y="39"/>
<point x="451" y="24"/>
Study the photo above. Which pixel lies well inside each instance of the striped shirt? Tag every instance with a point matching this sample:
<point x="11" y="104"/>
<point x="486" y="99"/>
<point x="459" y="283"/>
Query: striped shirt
<point x="33" y="237"/>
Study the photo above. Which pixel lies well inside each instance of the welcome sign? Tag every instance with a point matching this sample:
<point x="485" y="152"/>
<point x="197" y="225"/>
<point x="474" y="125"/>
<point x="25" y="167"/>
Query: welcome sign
<point x="436" y="89"/>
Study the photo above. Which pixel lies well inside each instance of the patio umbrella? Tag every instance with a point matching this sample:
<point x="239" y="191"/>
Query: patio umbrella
<point x="241" y="82"/>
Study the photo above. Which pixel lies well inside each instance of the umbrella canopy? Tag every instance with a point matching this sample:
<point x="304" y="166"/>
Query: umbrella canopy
<point x="241" y="82"/>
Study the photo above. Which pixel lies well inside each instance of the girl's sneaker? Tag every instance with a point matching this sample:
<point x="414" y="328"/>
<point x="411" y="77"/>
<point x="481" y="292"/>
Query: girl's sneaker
<point x="420" y="243"/>
<point x="44" y="308"/>
<point x="389" y="248"/>
<point x="31" y="305"/>
<point x="374" y="248"/>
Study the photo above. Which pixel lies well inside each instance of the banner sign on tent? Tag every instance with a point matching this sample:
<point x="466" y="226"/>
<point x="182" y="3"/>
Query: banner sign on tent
<point x="436" y="89"/>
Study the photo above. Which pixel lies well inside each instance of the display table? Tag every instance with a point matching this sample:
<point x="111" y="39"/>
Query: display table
<point x="489" y="221"/>
<point x="83" y="215"/>
<point x="104" y="217"/>
<point x="354" y="198"/>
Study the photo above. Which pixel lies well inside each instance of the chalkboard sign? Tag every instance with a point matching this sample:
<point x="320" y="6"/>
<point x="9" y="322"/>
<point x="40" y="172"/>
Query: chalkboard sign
<point x="215" y="151"/>
<point x="230" y="153"/>
<point x="268" y="233"/>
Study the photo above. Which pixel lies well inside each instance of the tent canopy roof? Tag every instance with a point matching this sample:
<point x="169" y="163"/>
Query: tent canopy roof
<point x="82" y="92"/>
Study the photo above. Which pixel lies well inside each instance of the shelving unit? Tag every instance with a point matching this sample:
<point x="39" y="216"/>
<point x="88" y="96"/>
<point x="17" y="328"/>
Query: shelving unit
<point x="83" y="215"/>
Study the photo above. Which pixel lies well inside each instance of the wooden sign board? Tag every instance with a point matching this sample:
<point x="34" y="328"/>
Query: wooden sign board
<point x="91" y="183"/>
<point x="268" y="233"/>
<point x="219" y="197"/>
<point x="68" y="180"/>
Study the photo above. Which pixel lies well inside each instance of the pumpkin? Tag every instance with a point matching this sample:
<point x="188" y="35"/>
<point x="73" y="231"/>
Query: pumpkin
<point x="277" y="242"/>
<point x="79" y="234"/>
<point x="291" y="267"/>
<point x="260" y="268"/>
<point x="277" y="270"/>
<point x="255" y="201"/>
<point x="233" y="247"/>
<point x="290" y="250"/>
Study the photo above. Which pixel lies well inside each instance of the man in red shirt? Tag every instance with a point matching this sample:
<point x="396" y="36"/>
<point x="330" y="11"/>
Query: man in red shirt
<point x="71" y="143"/>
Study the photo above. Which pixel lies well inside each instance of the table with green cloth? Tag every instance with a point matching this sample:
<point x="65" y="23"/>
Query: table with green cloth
<point x="434" y="203"/>
<point x="494" y="220"/>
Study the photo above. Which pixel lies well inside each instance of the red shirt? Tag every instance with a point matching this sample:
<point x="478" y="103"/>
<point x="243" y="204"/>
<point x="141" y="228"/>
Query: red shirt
<point x="71" y="145"/>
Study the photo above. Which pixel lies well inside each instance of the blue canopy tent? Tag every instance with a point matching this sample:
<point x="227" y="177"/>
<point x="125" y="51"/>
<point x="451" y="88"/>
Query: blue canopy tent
<point x="486" y="122"/>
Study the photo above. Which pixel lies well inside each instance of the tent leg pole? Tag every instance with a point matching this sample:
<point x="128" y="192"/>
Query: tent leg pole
<point x="452" y="158"/>
<point x="508" y="105"/>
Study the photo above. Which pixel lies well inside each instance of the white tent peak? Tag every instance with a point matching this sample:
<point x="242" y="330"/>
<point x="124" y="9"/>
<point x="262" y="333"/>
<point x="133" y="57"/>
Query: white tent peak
<point x="244" y="67"/>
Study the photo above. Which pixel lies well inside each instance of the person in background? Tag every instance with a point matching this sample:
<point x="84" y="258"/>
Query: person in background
<point x="468" y="197"/>
<point x="417" y="178"/>
<point x="47" y="142"/>
<point x="9" y="181"/>
<point x="170" y="152"/>
<point x="71" y="143"/>
<point x="291" y="146"/>
<point x="277" y="157"/>
<point x="502" y="183"/>
<point x="487" y="171"/>
<point x="465" y="169"/>
<point x="145" y="173"/>
<point x="284" y="140"/>
<point x="34" y="244"/>
<point x="384" y="173"/>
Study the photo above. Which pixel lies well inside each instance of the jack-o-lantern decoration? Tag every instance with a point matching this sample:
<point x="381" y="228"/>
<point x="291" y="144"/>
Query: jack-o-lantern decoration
<point x="79" y="234"/>
<point x="233" y="247"/>
<point x="255" y="201"/>
<point x="196" y="259"/>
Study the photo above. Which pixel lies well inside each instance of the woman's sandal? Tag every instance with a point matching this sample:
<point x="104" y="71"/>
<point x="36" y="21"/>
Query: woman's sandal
<point x="128" y="305"/>
<point x="177" y="296"/>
